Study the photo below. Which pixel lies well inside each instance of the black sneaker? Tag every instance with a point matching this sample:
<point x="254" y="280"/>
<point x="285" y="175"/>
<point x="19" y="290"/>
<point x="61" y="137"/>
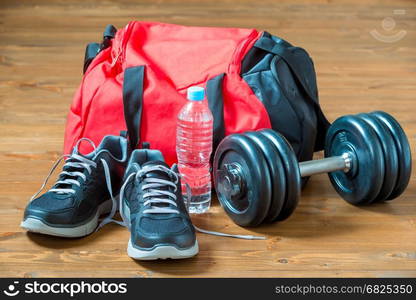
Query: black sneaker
<point x="153" y="209"/>
<point x="72" y="207"/>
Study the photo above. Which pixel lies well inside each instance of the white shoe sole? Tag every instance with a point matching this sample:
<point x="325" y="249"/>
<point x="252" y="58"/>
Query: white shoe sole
<point x="162" y="252"/>
<point x="36" y="225"/>
<point x="159" y="252"/>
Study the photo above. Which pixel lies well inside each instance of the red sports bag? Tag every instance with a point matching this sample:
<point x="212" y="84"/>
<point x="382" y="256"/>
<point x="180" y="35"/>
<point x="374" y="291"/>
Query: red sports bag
<point x="136" y="80"/>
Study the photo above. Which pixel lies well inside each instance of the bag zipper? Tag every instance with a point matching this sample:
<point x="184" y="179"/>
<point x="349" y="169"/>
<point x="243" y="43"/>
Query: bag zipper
<point x="121" y="53"/>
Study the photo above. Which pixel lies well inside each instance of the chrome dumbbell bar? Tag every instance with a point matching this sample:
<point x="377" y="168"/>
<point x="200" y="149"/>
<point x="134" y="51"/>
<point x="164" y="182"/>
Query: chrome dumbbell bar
<point x="326" y="165"/>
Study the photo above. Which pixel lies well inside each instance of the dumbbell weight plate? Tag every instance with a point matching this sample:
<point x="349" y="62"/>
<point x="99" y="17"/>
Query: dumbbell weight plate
<point x="362" y="183"/>
<point x="277" y="173"/>
<point x="391" y="164"/>
<point x="248" y="203"/>
<point x="403" y="152"/>
<point x="291" y="167"/>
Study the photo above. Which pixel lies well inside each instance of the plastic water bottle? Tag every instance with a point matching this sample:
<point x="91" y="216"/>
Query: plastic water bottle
<point x="193" y="148"/>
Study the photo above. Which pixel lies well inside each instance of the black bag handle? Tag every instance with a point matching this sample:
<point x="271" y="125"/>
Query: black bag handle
<point x="92" y="49"/>
<point x="133" y="102"/>
<point x="216" y="105"/>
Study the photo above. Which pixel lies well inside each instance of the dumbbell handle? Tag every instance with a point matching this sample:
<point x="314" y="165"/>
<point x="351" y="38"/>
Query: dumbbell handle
<point x="325" y="165"/>
<point x="231" y="183"/>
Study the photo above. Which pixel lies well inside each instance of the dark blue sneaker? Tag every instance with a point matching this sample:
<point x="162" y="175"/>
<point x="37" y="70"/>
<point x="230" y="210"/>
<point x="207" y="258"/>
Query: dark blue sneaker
<point x="153" y="209"/>
<point x="72" y="207"/>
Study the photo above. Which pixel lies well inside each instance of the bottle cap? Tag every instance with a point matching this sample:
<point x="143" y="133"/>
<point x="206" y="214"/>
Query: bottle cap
<point x="195" y="93"/>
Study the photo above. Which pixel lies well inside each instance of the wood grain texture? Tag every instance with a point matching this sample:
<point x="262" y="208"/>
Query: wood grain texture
<point x="41" y="52"/>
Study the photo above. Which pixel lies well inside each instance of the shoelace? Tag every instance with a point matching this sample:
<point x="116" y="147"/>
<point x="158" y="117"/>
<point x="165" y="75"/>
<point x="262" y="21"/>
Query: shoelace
<point x="154" y="194"/>
<point x="79" y="162"/>
<point x="76" y="161"/>
<point x="73" y="160"/>
<point x="157" y="196"/>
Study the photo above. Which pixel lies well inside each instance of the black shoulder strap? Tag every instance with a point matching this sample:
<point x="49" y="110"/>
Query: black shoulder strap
<point x="133" y="102"/>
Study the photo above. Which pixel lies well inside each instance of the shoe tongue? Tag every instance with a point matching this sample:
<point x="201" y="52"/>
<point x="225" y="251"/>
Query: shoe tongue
<point x="71" y="169"/>
<point x="156" y="173"/>
<point x="155" y="163"/>
<point x="89" y="155"/>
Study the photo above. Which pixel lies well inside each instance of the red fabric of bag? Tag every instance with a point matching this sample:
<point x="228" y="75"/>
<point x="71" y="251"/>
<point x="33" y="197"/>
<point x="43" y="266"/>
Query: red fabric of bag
<point x="175" y="57"/>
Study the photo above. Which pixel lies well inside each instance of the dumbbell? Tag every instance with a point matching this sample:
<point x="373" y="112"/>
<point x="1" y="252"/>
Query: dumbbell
<point x="258" y="179"/>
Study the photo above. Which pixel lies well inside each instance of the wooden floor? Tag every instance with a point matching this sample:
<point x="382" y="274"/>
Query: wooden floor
<point x="41" y="54"/>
